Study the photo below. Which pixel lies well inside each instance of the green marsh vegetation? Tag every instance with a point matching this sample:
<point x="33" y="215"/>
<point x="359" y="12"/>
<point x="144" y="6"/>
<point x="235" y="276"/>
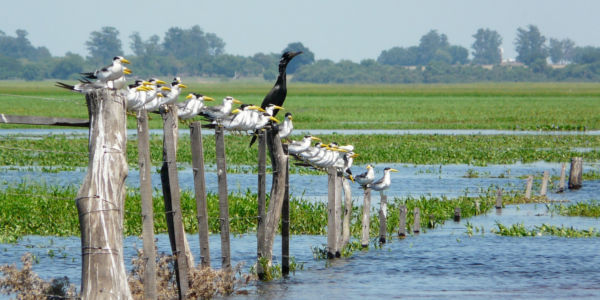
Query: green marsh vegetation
<point x="581" y="209"/>
<point x="37" y="209"/>
<point x="519" y="230"/>
<point x="512" y="106"/>
<point x="66" y="152"/>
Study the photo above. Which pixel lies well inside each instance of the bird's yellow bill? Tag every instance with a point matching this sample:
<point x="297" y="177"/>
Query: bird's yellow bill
<point x="314" y="138"/>
<point x="125" y="61"/>
<point x="254" y="107"/>
<point x="183" y="86"/>
<point x="141" y="89"/>
<point x="351" y="178"/>
<point x="159" y="95"/>
<point x="290" y="118"/>
<point x="126" y="71"/>
<point x="355" y="155"/>
<point x="189" y="96"/>
<point x="273" y="119"/>
<point x="278" y="107"/>
<point x="158" y="81"/>
<point x="236" y="101"/>
<point x="235" y="111"/>
<point x="393" y="170"/>
<point x="165" y="88"/>
<point x="207" y="98"/>
<point x="146" y="83"/>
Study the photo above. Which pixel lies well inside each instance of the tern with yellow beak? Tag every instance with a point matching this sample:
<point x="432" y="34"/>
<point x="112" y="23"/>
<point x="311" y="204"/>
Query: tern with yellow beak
<point x="384" y="182"/>
<point x="109" y="73"/>
<point x="219" y="112"/>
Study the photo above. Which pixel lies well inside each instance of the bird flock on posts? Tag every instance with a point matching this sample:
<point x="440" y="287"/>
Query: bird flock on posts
<point x="153" y="94"/>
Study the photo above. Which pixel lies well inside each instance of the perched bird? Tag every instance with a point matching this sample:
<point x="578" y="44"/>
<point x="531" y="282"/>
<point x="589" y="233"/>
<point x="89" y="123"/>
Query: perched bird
<point x="85" y="85"/>
<point x="136" y="94"/>
<point x="365" y="178"/>
<point x="285" y="129"/>
<point x="218" y="112"/>
<point x="296" y="147"/>
<point x="109" y="73"/>
<point x="278" y="93"/>
<point x="193" y="105"/>
<point x="172" y="94"/>
<point x="384" y="182"/>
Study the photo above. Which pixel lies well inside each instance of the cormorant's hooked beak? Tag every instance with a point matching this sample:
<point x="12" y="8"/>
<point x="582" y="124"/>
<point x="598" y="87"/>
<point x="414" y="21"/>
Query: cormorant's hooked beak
<point x="294" y="54"/>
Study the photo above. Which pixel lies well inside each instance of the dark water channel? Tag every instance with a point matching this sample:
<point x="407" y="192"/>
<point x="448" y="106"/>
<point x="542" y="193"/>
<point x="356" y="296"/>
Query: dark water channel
<point x="441" y="263"/>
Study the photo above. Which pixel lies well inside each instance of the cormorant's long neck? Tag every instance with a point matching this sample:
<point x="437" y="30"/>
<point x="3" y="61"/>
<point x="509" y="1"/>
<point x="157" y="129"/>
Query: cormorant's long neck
<point x="281" y="79"/>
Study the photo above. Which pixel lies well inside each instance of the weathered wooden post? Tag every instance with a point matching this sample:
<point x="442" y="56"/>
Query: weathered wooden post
<point x="172" y="200"/>
<point x="544" y="188"/>
<point x="366" y="218"/>
<point x="145" y="164"/>
<point x="529" y="187"/>
<point x="402" y="221"/>
<point x="262" y="187"/>
<point x="561" y="184"/>
<point x="200" y="191"/>
<point x="332" y="216"/>
<point x="499" y="201"/>
<point x="382" y="217"/>
<point x="277" y="193"/>
<point x="457" y="214"/>
<point x="347" y="212"/>
<point x="338" y="210"/>
<point x="576" y="173"/>
<point x="223" y="200"/>
<point x="100" y="199"/>
<point x="285" y="219"/>
<point x="416" y="220"/>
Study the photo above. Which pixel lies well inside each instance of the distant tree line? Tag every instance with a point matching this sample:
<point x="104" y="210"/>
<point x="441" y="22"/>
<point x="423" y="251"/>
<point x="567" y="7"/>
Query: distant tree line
<point x="193" y="52"/>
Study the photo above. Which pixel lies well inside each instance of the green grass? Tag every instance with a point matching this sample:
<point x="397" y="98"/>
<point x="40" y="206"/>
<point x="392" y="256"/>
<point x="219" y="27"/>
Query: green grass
<point x="563" y="106"/>
<point x="67" y="153"/>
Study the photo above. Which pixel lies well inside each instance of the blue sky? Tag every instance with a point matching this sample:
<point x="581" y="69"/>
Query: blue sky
<point x="332" y="29"/>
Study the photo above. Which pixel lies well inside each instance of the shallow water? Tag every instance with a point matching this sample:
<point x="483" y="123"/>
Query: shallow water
<point x="441" y="263"/>
<point x="411" y="180"/>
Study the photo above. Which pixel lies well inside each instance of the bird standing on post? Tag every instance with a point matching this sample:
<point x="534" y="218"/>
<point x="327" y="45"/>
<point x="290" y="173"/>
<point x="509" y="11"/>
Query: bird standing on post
<point x="384" y="182"/>
<point x="278" y="93"/>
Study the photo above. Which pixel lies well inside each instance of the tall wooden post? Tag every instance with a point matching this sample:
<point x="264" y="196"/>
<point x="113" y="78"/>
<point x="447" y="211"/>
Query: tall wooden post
<point x="145" y="164"/>
<point x="338" y="210"/>
<point x="347" y="212"/>
<point x="544" y="188"/>
<point x="223" y="200"/>
<point x="366" y="218"/>
<point x="416" y="220"/>
<point x="561" y="184"/>
<point x="262" y="187"/>
<point x="332" y="238"/>
<point x="100" y="199"/>
<point x="200" y="192"/>
<point x="529" y="187"/>
<point x="277" y="193"/>
<point x="170" y="184"/>
<point x="499" y="201"/>
<point x="402" y="221"/>
<point x="576" y="173"/>
<point x="382" y="217"/>
<point x="285" y="220"/>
